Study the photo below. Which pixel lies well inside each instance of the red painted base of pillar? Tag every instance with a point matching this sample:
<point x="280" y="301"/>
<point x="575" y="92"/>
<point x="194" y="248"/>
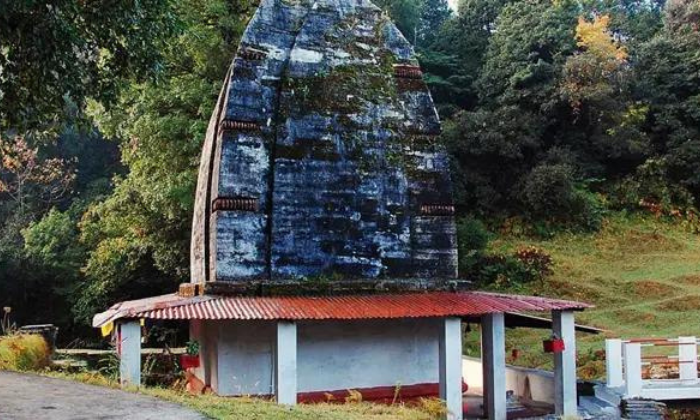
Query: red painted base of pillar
<point x="381" y="394"/>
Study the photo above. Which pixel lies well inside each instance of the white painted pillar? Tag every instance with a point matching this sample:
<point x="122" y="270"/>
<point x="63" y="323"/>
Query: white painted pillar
<point x="688" y="358"/>
<point x="633" y="369"/>
<point x="613" y="363"/>
<point x="493" y="360"/>
<point x="565" y="402"/>
<point x="450" y="360"/>
<point x="129" y="347"/>
<point x="286" y="363"/>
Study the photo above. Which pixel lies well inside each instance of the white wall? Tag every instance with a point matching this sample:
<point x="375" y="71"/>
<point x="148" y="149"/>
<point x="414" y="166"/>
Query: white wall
<point x="206" y="333"/>
<point x="246" y="358"/>
<point x="367" y="354"/>
<point x="533" y="384"/>
<point x="331" y="355"/>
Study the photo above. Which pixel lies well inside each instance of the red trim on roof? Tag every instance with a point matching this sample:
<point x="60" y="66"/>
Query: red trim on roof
<point x="415" y="305"/>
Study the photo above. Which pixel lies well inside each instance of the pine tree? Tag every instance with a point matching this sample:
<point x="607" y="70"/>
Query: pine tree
<point x="433" y="14"/>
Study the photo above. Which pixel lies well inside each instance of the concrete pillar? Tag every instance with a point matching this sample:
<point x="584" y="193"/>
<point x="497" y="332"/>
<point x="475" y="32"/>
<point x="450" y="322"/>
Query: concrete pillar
<point x="286" y="363"/>
<point x="129" y="349"/>
<point x="451" y="367"/>
<point x="613" y="363"/>
<point x="688" y="358"/>
<point x="493" y="360"/>
<point x="565" y="402"/>
<point x="632" y="353"/>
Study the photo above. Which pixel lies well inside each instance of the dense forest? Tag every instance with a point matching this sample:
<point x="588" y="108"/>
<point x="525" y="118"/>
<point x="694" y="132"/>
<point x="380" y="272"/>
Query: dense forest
<point x="555" y="112"/>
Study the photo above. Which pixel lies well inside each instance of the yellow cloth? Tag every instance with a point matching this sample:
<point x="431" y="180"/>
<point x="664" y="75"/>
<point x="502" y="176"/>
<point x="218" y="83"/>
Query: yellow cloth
<point x="107" y="329"/>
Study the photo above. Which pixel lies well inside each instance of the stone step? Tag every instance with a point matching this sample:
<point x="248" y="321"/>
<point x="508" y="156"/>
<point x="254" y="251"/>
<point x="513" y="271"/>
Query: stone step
<point x="598" y="409"/>
<point x="640" y="409"/>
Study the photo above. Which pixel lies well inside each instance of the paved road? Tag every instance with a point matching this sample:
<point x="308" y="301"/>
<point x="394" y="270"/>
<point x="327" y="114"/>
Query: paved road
<point x="31" y="397"/>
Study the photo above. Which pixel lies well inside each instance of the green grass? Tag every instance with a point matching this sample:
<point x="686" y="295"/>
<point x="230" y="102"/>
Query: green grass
<point x="642" y="274"/>
<point x="245" y="408"/>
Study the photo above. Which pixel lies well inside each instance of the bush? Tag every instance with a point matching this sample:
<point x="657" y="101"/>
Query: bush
<point x="551" y="193"/>
<point x="472" y="239"/>
<point x="536" y="261"/>
<point x="548" y="190"/>
<point x="651" y="189"/>
<point x="501" y="271"/>
<point x="24" y="352"/>
<point x="506" y="271"/>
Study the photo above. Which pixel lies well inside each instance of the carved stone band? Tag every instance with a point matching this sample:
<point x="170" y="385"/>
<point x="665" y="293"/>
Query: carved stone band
<point x="408" y="72"/>
<point x="437" y="210"/>
<point x="229" y="125"/>
<point x="235" y="204"/>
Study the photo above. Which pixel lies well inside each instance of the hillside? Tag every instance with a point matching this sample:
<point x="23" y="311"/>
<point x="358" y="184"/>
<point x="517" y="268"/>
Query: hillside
<point x="643" y="275"/>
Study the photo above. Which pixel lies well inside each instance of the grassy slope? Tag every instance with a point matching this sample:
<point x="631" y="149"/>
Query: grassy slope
<point x="643" y="276"/>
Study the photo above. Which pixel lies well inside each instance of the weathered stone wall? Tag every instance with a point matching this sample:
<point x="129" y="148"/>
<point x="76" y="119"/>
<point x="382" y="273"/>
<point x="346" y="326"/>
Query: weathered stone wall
<point x="324" y="157"/>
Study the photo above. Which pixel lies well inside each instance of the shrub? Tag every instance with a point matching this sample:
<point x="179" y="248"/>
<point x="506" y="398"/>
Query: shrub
<point x="24" y="352"/>
<point x="472" y="239"/>
<point x="551" y="193"/>
<point x="650" y="188"/>
<point x="505" y="271"/>
<point x="548" y="190"/>
<point x="502" y="271"/>
<point x="354" y="397"/>
<point x="435" y="407"/>
<point x="536" y="261"/>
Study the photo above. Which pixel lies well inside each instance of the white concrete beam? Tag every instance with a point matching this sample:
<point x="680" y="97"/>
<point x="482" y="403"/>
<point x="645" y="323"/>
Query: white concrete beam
<point x="129" y="346"/>
<point x="450" y="361"/>
<point x="613" y="363"/>
<point x="286" y="363"/>
<point x="632" y="353"/>
<point x="493" y="356"/>
<point x="565" y="401"/>
<point x="688" y="358"/>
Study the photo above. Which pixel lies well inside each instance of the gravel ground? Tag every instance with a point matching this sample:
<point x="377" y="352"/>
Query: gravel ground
<point x="32" y="397"/>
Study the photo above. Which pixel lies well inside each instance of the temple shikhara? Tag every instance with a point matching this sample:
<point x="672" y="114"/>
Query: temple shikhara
<point x="324" y="253"/>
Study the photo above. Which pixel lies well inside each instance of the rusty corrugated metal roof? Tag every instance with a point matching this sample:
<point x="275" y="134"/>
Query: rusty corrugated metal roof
<point x="415" y="305"/>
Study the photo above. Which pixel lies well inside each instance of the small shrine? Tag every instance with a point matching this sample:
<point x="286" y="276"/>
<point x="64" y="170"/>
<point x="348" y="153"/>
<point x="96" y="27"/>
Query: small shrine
<point x="324" y="250"/>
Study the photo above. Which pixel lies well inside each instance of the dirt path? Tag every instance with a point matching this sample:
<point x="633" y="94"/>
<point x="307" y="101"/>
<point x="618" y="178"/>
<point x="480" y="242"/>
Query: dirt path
<point x="32" y="397"/>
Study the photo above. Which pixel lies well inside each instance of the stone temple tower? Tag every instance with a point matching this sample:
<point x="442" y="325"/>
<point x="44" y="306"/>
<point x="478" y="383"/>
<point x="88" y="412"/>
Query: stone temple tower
<point x="321" y="158"/>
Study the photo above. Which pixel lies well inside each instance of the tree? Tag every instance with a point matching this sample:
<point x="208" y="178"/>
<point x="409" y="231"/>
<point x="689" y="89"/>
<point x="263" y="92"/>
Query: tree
<point x="453" y="59"/>
<point x="682" y="15"/>
<point x="406" y="15"/>
<point x="48" y="187"/>
<point x="668" y="82"/>
<point x="66" y="51"/>
<point x="497" y="144"/>
<point x="433" y="14"/>
<point x="25" y="176"/>
<point x="596" y="84"/>
<point x="526" y="54"/>
<point x="138" y="238"/>
<point x="592" y="74"/>
<point x="553" y="111"/>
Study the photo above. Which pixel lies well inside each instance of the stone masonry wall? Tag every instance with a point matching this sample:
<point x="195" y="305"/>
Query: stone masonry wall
<point x="322" y="157"/>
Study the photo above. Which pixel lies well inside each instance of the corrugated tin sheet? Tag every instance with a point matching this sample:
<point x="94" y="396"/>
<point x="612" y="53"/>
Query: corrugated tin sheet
<point x="417" y="305"/>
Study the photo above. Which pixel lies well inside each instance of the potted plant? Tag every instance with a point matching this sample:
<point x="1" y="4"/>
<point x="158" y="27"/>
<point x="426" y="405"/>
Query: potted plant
<point x="553" y="345"/>
<point x="191" y="357"/>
